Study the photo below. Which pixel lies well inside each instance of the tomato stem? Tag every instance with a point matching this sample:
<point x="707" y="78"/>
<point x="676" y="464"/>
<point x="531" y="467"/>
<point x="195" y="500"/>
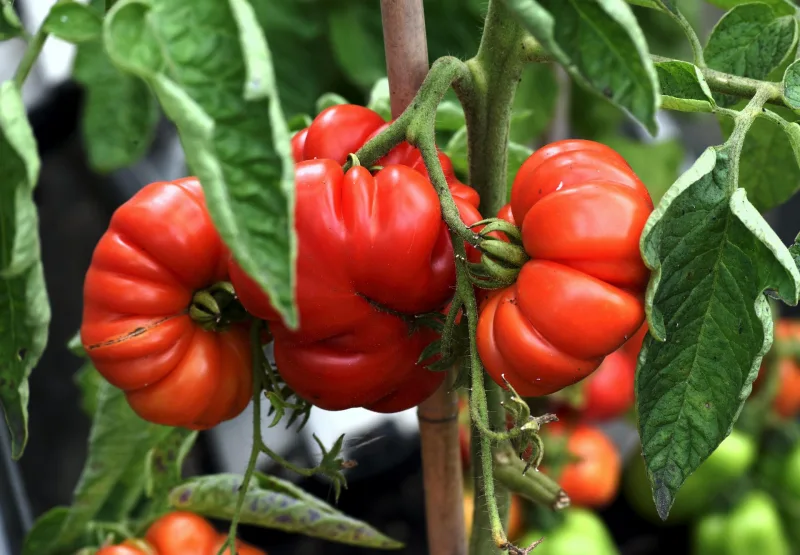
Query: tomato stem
<point x="536" y="486"/>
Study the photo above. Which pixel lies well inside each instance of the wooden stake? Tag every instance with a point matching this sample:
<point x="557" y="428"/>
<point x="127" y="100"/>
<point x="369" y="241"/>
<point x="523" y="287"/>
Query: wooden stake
<point x="406" y="50"/>
<point x="407" y="65"/>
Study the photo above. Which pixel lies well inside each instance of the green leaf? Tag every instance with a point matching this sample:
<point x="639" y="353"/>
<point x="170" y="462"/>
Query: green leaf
<point x="657" y="164"/>
<point x="456" y="149"/>
<point x="298" y="122"/>
<point x="112" y="480"/>
<point x="24" y="307"/>
<point x="10" y="25"/>
<point x="163" y="468"/>
<point x="791" y="85"/>
<point x="534" y="103"/>
<point x="357" y="41"/>
<point x="781" y="7"/>
<point x="43" y="537"/>
<point x="274" y="503"/>
<point x="768" y="169"/>
<point x="75" y="345"/>
<point x="330" y="99"/>
<point x="449" y="117"/>
<point x="73" y="22"/>
<point x="88" y="380"/>
<point x="601" y="46"/>
<point x="683" y="87"/>
<point x="209" y="65"/>
<point x="120" y="113"/>
<point x="712" y="256"/>
<point x="750" y="41"/>
<point x="379" y="100"/>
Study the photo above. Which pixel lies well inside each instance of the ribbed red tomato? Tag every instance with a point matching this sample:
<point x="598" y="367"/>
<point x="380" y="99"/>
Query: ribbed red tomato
<point x="161" y="248"/>
<point x="581" y="211"/>
<point x="373" y="252"/>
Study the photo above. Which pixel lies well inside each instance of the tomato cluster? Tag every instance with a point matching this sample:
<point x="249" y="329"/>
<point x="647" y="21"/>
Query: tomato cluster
<point x="787" y="397"/>
<point x="373" y="255"/>
<point x="179" y="533"/>
<point x="581" y="210"/>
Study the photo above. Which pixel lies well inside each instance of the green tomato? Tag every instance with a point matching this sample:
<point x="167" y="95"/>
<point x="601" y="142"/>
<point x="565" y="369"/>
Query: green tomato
<point x="581" y="533"/>
<point x="754" y="527"/>
<point x="734" y="456"/>
<point x="708" y="535"/>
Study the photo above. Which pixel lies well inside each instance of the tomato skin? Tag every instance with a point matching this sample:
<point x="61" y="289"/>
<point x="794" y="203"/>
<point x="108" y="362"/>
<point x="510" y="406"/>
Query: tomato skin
<point x="609" y="391"/>
<point x="242" y="548"/>
<point x="160" y="247"/>
<point x="183" y="533"/>
<point x="581" y="211"/>
<point x="338" y="131"/>
<point x="123" y="549"/>
<point x="299" y="144"/>
<point x="592" y="481"/>
<point x="353" y="231"/>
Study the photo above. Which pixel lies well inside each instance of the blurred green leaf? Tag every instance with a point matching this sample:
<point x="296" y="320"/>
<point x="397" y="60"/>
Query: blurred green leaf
<point x="24" y="306"/>
<point x="601" y="46"/>
<point x="379" y="100"/>
<point x="73" y="22"/>
<point x="534" y="103"/>
<point x="120" y="114"/>
<point x="88" y="380"/>
<point x="449" y="116"/>
<point x="357" y="41"/>
<point x="330" y="99"/>
<point x="10" y="25"/>
<point x="456" y="149"/>
<point x="274" y="503"/>
<point x="657" y="164"/>
<point x="164" y="465"/>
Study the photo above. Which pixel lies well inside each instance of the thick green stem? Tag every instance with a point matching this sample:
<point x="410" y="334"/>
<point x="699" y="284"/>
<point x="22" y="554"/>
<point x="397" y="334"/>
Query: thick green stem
<point x="32" y="52"/>
<point x="496" y="70"/>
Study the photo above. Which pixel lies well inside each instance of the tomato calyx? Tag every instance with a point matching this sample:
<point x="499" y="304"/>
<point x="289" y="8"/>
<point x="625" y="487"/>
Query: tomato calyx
<point x="501" y="258"/>
<point x="216" y="307"/>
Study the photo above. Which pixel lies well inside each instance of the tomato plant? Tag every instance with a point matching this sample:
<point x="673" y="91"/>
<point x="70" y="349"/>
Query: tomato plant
<point x="469" y="225"/>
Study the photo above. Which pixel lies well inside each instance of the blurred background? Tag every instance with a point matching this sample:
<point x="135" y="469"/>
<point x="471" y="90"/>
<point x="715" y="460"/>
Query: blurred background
<point x="318" y="46"/>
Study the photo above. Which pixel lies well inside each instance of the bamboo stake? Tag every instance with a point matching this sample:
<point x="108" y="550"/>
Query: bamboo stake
<point x="407" y="65"/>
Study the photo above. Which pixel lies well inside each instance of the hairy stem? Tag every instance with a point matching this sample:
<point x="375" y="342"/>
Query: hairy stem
<point x="496" y="70"/>
<point x="743" y="120"/>
<point x="694" y="41"/>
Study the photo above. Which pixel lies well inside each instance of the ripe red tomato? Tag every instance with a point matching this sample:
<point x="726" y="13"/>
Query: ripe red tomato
<point x="787" y="399"/>
<point x="609" y="391"/>
<point x="373" y="251"/>
<point x="182" y="533"/>
<point x="343" y="129"/>
<point x="128" y="547"/>
<point x="581" y="211"/>
<point x="338" y="131"/>
<point x="593" y="480"/>
<point x="160" y="248"/>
